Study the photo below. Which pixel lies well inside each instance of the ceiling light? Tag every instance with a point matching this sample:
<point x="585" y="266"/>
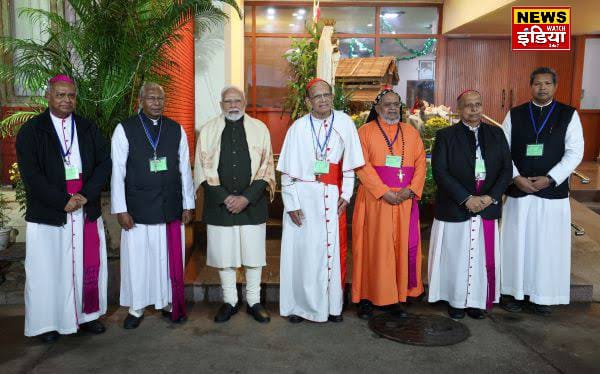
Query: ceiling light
<point x="301" y="11"/>
<point x="292" y="25"/>
<point x="270" y="16"/>
<point x="271" y="11"/>
<point x="370" y="25"/>
<point x="299" y="18"/>
<point x="390" y="15"/>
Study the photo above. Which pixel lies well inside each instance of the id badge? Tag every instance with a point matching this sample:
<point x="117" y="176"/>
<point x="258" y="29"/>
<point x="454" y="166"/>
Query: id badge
<point x="534" y="150"/>
<point x="321" y="167"/>
<point x="393" y="161"/>
<point x="71" y="173"/>
<point x="479" y="166"/>
<point x="159" y="164"/>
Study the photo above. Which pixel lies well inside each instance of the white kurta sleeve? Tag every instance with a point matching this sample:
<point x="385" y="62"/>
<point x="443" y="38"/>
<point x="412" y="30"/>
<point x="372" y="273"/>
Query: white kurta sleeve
<point x="347" y="185"/>
<point x="187" y="183"/>
<point x="119" y="153"/>
<point x="506" y="127"/>
<point x="573" y="151"/>
<point x="289" y="194"/>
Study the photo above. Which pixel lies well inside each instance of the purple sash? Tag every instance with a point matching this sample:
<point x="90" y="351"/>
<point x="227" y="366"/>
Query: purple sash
<point x="400" y="178"/>
<point x="490" y="265"/>
<point x="174" y="248"/>
<point x="91" y="256"/>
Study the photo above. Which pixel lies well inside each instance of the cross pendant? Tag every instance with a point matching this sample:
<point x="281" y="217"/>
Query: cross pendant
<point x="401" y="175"/>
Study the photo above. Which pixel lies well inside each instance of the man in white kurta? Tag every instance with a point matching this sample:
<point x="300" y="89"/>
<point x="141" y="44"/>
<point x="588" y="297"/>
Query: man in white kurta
<point x="146" y="269"/>
<point x="472" y="167"/>
<point x="234" y="166"/>
<point x="317" y="162"/>
<point x="546" y="141"/>
<point x="64" y="163"/>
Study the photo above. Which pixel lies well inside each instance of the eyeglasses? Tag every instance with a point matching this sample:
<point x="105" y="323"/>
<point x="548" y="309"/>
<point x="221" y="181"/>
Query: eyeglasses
<point x="159" y="99"/>
<point x="325" y="96"/>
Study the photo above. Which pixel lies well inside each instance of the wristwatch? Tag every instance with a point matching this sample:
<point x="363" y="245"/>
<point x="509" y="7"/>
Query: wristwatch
<point x="551" y="180"/>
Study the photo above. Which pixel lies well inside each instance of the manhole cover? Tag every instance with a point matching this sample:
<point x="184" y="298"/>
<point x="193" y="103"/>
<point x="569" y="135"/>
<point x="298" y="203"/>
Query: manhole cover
<point x="425" y="330"/>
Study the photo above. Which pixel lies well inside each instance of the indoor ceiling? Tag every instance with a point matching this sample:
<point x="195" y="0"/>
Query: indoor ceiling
<point x="585" y="18"/>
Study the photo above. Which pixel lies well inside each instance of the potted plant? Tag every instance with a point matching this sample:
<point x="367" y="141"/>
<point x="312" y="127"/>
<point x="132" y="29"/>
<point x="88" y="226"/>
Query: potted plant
<point x="5" y="230"/>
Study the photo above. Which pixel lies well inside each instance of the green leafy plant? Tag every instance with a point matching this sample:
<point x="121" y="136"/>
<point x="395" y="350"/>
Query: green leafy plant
<point x="111" y="48"/>
<point x="302" y="58"/>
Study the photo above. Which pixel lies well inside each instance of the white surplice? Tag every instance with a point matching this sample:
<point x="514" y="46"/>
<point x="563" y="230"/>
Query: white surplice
<point x="54" y="263"/>
<point x="310" y="277"/>
<point x="457" y="260"/>
<point x="145" y="278"/>
<point x="535" y="234"/>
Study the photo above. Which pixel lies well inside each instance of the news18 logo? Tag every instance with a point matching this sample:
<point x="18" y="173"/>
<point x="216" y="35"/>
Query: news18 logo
<point x="541" y="28"/>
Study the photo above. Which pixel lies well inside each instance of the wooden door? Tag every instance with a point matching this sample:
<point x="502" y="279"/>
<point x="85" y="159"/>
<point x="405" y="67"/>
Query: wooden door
<point x="483" y="65"/>
<point x="522" y="63"/>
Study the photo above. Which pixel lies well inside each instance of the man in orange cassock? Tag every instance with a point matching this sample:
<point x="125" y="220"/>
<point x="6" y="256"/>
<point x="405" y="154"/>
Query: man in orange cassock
<point x="386" y="243"/>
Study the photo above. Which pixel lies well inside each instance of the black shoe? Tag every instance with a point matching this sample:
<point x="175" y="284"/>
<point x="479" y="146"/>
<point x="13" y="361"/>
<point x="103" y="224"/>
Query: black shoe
<point x="397" y="311"/>
<point x="259" y="313"/>
<point x="132" y="322"/>
<point x="49" y="337"/>
<point x="455" y="313"/>
<point x="94" y="327"/>
<point x="295" y="319"/>
<point x="475" y="313"/>
<point x="365" y="309"/>
<point x="510" y="304"/>
<point x="542" y="310"/>
<point x="335" y="319"/>
<point x="168" y="315"/>
<point x="225" y="312"/>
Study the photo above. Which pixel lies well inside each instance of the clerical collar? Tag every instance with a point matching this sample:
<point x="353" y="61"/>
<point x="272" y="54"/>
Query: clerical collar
<point x="145" y="117"/>
<point x="473" y="129"/>
<point x="328" y="119"/>
<point x="56" y="119"/>
<point x="542" y="106"/>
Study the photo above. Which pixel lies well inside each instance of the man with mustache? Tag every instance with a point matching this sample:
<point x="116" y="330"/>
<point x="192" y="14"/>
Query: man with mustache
<point x="386" y="244"/>
<point x="64" y="162"/>
<point x="152" y="194"/>
<point x="234" y="165"/>
<point x="546" y="142"/>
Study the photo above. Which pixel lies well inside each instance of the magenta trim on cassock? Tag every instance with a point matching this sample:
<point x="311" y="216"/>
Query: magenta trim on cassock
<point x="490" y="263"/>
<point x="91" y="256"/>
<point x="175" y="249"/>
<point x="389" y="176"/>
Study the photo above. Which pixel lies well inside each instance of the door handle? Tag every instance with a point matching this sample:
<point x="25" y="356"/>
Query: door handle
<point x="503" y="97"/>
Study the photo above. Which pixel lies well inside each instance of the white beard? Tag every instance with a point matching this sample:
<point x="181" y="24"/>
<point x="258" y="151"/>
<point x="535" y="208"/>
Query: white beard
<point x="233" y="116"/>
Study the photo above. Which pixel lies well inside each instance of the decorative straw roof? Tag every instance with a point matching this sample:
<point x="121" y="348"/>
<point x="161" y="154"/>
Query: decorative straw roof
<point x="366" y="69"/>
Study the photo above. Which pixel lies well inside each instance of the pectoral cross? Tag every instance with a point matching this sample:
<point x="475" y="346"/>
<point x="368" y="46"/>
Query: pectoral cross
<point x="401" y="175"/>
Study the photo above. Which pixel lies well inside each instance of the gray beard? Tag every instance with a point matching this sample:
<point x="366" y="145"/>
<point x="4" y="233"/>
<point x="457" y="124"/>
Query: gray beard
<point x="391" y="120"/>
<point x="233" y="117"/>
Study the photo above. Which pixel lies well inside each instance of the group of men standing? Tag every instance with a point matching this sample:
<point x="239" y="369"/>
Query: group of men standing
<point x="65" y="163"/>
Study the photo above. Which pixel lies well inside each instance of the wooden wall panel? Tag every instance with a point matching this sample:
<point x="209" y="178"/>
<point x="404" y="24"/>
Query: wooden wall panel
<point x="590" y="121"/>
<point x="522" y="63"/>
<point x="480" y="64"/>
